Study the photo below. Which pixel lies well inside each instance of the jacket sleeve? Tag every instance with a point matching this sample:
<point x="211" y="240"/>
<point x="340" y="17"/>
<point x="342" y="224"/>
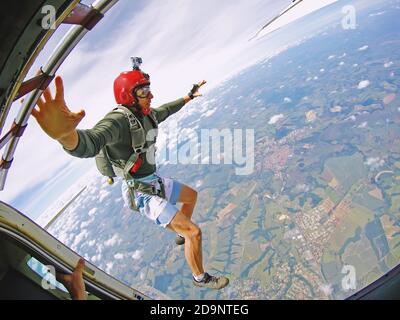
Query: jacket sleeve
<point x="163" y="112"/>
<point x="91" y="141"/>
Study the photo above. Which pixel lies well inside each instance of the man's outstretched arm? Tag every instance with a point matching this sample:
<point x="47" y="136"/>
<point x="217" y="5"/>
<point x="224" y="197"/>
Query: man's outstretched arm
<point x="170" y="108"/>
<point x="58" y="122"/>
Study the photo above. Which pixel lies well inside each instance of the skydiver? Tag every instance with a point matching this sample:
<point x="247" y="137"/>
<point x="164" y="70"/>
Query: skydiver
<point x="143" y="189"/>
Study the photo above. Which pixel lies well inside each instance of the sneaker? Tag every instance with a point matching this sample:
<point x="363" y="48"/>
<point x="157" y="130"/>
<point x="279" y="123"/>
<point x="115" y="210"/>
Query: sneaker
<point x="211" y="282"/>
<point x="179" y="240"/>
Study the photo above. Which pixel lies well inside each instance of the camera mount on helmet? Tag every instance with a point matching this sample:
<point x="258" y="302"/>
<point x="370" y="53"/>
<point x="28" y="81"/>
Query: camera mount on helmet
<point x="136" y="62"/>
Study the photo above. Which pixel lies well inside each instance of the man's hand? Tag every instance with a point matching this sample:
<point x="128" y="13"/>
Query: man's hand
<point x="194" y="93"/>
<point x="74" y="282"/>
<point x="55" y="118"/>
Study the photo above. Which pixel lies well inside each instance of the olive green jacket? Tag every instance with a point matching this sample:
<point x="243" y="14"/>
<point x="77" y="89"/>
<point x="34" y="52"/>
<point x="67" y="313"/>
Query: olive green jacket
<point x="113" y="131"/>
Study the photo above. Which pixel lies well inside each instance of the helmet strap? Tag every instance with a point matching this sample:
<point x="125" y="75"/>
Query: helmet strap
<point x="137" y="106"/>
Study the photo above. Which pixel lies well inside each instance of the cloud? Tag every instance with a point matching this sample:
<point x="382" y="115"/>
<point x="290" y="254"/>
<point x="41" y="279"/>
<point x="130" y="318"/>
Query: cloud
<point x="326" y="289"/>
<point x="274" y="119"/>
<point x="376" y="14"/>
<point x="199" y="183"/>
<point x="78" y="239"/>
<point x="85" y="224"/>
<point x="363" y="84"/>
<point x="375" y="163"/>
<point x="208" y="113"/>
<point x="92" y="211"/>
<point x="109" y="267"/>
<point x="112" y="241"/>
<point x="119" y="256"/>
<point x="336" y="109"/>
<point x="96" y="258"/>
<point x="103" y="194"/>
<point x="137" y="255"/>
<point x="302" y="188"/>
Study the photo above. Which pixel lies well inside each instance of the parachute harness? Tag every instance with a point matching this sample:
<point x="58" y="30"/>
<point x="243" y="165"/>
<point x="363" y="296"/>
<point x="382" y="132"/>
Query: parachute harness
<point x="125" y="169"/>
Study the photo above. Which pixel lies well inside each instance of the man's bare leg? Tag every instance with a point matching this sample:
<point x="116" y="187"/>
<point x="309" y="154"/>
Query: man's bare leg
<point x="188" y="198"/>
<point x="194" y="252"/>
<point x="181" y="224"/>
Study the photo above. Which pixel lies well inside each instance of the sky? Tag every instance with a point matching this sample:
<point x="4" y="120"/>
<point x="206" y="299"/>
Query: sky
<point x="180" y="41"/>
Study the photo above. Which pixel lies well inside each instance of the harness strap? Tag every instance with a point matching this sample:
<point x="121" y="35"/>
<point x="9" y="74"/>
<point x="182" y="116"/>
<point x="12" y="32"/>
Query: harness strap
<point x="143" y="187"/>
<point x="122" y="169"/>
<point x="147" y="188"/>
<point x="160" y="182"/>
<point x="138" y="135"/>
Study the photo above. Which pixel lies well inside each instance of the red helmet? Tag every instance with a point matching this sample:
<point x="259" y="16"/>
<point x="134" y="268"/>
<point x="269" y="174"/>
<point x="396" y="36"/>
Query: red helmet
<point x="126" y="83"/>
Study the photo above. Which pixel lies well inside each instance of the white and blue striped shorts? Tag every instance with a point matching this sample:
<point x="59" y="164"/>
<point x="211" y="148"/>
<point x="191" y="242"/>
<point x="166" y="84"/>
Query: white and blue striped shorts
<point x="160" y="211"/>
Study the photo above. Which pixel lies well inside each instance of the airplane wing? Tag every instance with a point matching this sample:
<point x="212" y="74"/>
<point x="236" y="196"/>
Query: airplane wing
<point x="296" y="10"/>
<point x="58" y="214"/>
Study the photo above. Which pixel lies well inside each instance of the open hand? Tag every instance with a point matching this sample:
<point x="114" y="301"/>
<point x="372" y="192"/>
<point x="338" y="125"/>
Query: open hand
<point x="53" y="115"/>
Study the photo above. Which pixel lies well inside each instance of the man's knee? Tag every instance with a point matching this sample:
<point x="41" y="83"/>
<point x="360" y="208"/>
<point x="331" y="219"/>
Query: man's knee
<point x="195" y="232"/>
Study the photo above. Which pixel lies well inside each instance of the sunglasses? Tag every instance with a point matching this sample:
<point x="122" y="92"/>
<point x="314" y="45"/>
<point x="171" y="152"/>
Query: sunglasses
<point x="143" y="92"/>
